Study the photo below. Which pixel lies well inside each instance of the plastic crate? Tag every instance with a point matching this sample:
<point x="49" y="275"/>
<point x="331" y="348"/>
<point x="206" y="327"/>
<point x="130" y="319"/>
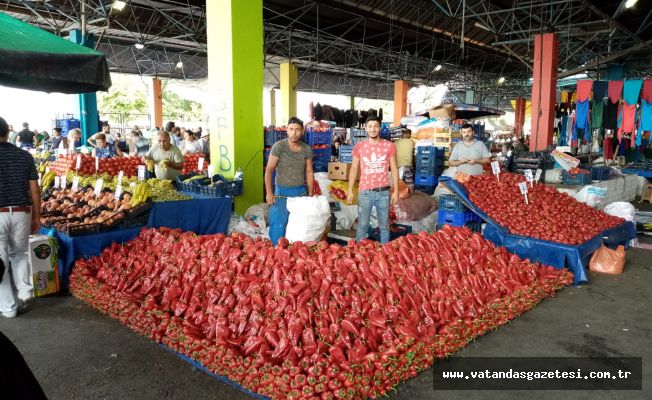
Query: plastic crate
<point x="395" y="231"/>
<point x="576" y="179"/>
<point x="432" y="151"/>
<point x="600" y="173"/>
<point x="451" y="202"/>
<point x="429" y="190"/>
<point x="81" y="230"/>
<point x="320" y="164"/>
<point x="318" y="153"/>
<point x="456" y="218"/>
<point x="133" y="222"/>
<point x="315" y="137"/>
<point x="425" y="180"/>
<point x="189" y="186"/>
<point x="115" y="220"/>
<point x="272" y="136"/>
<point x="357" y="139"/>
<point x="222" y="189"/>
<point x="266" y="152"/>
<point x="346" y="153"/>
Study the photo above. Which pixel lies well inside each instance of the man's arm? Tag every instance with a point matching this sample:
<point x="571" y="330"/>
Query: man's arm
<point x="118" y="151"/>
<point x="310" y="177"/>
<point x="91" y="140"/>
<point x="272" y="162"/>
<point x="35" y="194"/>
<point x="394" y="167"/>
<point x="454" y="161"/>
<point x="352" y="175"/>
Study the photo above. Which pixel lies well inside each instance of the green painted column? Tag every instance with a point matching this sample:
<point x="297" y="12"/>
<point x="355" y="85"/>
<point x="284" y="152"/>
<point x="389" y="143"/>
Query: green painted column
<point x="235" y="75"/>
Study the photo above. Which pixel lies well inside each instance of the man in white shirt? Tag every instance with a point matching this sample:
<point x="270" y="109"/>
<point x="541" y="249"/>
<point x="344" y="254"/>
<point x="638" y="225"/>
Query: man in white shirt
<point x="470" y="154"/>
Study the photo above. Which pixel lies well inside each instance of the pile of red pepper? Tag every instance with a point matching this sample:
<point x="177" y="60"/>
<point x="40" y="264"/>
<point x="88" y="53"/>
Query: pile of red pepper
<point x="313" y="320"/>
<point x="550" y="215"/>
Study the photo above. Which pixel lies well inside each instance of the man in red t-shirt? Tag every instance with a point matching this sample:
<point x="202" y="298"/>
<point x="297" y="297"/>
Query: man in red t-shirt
<point x="374" y="157"/>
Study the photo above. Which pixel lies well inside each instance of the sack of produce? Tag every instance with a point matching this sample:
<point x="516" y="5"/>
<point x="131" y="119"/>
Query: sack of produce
<point x="607" y="261"/>
<point x="622" y="209"/>
<point x="415" y="207"/>
<point x="308" y="218"/>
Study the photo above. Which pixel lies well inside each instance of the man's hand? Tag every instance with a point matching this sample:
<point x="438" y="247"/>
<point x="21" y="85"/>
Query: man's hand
<point x="470" y="162"/>
<point x="349" y="197"/>
<point x="394" y="197"/>
<point x="36" y="224"/>
<point x="270" y="198"/>
<point x="463" y="161"/>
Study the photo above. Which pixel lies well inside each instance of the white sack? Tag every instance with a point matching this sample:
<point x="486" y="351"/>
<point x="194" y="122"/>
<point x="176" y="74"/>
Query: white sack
<point x="308" y="218"/>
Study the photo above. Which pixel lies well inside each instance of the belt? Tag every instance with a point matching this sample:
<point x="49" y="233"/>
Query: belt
<point x="15" y="209"/>
<point x="379" y="189"/>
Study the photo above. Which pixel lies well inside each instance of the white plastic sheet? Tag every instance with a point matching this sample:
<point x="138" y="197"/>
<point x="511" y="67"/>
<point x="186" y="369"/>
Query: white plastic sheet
<point x="308" y="218"/>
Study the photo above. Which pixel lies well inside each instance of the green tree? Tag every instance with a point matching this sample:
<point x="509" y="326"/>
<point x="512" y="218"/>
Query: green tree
<point x="120" y="99"/>
<point x="176" y="107"/>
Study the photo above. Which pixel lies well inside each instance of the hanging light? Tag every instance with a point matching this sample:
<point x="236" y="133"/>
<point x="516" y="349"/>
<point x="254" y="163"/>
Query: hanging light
<point x="438" y="67"/>
<point x="119" y="5"/>
<point x="139" y="46"/>
<point x="630" y="3"/>
<point x="501" y="79"/>
<point x="180" y="64"/>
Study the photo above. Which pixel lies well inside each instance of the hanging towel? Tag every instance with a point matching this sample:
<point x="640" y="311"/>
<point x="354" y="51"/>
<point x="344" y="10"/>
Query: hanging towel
<point x="599" y="90"/>
<point x="611" y="115"/>
<point x="562" y="131"/>
<point x="646" y="120"/>
<point x="582" y="119"/>
<point x="627" y="122"/>
<point x="615" y="90"/>
<point x="569" y="129"/>
<point x="647" y="90"/>
<point x="564" y="97"/>
<point x="607" y="148"/>
<point x="584" y="89"/>
<point x="597" y="114"/>
<point x="632" y="91"/>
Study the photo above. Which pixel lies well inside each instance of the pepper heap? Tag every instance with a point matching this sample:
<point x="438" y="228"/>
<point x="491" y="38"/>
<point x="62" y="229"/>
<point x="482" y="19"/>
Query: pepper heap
<point x="550" y="215"/>
<point x="312" y="320"/>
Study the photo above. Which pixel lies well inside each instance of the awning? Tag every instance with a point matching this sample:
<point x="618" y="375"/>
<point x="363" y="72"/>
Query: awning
<point x="31" y="58"/>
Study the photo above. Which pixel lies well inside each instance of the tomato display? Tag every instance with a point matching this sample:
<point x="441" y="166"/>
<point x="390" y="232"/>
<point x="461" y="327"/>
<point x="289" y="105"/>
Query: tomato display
<point x="550" y="215"/>
<point x="191" y="163"/>
<point x="313" y="320"/>
<point x="112" y="166"/>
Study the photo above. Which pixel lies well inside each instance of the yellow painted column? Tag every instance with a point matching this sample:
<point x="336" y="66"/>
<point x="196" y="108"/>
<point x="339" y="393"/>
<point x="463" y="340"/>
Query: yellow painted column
<point x="288" y="91"/>
<point x="352" y="98"/>
<point x="156" y="103"/>
<point x="235" y="78"/>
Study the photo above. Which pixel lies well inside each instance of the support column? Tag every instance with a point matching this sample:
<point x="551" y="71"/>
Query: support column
<point x="352" y="105"/>
<point x="519" y="120"/>
<point x="544" y="87"/>
<point x="86" y="102"/>
<point x="400" y="101"/>
<point x="288" y="91"/>
<point x="235" y="78"/>
<point x="272" y="106"/>
<point x="156" y="103"/>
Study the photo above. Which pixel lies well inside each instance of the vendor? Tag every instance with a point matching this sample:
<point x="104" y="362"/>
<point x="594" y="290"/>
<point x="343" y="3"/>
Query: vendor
<point x="103" y="149"/>
<point x="405" y="154"/>
<point x="190" y="145"/>
<point x="291" y="158"/>
<point x="470" y="154"/>
<point x="164" y="158"/>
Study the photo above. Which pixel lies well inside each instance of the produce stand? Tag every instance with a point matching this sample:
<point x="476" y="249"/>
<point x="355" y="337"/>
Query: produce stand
<point x="549" y="253"/>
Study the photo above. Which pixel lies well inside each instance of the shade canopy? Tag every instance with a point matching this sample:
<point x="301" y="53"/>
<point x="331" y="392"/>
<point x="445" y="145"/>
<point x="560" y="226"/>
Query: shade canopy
<point x="34" y="59"/>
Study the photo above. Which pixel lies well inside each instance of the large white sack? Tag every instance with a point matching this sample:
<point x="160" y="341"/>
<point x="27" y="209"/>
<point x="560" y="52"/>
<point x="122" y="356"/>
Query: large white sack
<point x="621" y="209"/>
<point x="308" y="218"/>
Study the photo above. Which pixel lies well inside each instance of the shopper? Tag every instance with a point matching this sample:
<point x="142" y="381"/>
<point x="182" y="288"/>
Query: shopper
<point x="75" y="138"/>
<point x="470" y="154"/>
<point x="138" y="145"/>
<point x="164" y="158"/>
<point x="57" y="139"/>
<point x="106" y="131"/>
<point x="26" y="139"/>
<point x="335" y="148"/>
<point x="12" y="135"/>
<point x="103" y="149"/>
<point x="20" y="209"/>
<point x="405" y="153"/>
<point x="190" y="145"/>
<point x="374" y="158"/>
<point x="291" y="158"/>
<point x="205" y="144"/>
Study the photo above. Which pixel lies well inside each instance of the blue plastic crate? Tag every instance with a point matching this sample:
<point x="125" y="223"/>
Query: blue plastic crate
<point x="600" y="173"/>
<point x="266" y="153"/>
<point x="315" y="137"/>
<point x="432" y="151"/>
<point x="272" y="136"/>
<point x="320" y="164"/>
<point x="425" y="180"/>
<point x="576" y="179"/>
<point x="430" y="164"/>
<point x="357" y="139"/>
<point x="429" y="190"/>
<point x="451" y="202"/>
<point x="395" y="231"/>
<point x="456" y="218"/>
<point x="346" y="153"/>
<point x="316" y="153"/>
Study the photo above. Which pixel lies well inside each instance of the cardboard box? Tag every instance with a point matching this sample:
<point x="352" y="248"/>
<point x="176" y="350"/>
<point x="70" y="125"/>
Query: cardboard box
<point x="44" y="264"/>
<point x="444" y="111"/>
<point x="338" y="171"/>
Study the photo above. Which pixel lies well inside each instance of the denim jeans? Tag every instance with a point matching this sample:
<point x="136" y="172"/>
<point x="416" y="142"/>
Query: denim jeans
<point x="278" y="212"/>
<point x="367" y="199"/>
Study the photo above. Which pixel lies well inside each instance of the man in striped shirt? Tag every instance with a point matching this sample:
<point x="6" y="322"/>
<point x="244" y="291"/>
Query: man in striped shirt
<point x="20" y="214"/>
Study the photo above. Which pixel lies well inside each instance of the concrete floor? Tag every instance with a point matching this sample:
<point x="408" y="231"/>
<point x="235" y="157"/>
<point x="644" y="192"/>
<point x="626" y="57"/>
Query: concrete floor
<point x="76" y="353"/>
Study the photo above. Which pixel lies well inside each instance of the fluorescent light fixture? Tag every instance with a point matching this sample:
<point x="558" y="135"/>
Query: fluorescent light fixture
<point x="438" y="67"/>
<point x="501" y="79"/>
<point x="139" y="46"/>
<point x="481" y="26"/>
<point x="180" y="64"/>
<point x="630" y="3"/>
<point x="119" y="5"/>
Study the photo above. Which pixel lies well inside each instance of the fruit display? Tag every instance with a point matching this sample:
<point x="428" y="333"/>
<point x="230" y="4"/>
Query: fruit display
<point x="191" y="163"/>
<point x="160" y="189"/>
<point x="550" y="215"/>
<point x="313" y="320"/>
<point x="111" y="166"/>
<point x="141" y="193"/>
<point x="47" y="179"/>
<point x="576" y="171"/>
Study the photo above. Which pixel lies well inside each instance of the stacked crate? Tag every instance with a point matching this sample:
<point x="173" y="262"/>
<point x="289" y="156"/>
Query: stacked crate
<point x="319" y="139"/>
<point x="429" y="165"/>
<point x="453" y="212"/>
<point x="447" y="140"/>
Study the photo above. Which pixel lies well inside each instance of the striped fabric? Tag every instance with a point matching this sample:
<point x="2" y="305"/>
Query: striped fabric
<point x="16" y="170"/>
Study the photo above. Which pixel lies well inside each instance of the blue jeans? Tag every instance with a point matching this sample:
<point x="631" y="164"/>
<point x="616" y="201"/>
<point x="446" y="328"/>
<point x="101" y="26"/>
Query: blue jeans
<point x="278" y="212"/>
<point x="367" y="199"/>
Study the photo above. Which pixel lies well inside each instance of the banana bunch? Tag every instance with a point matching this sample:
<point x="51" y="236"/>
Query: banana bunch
<point x="48" y="179"/>
<point x="150" y="165"/>
<point x="141" y="193"/>
<point x="42" y="166"/>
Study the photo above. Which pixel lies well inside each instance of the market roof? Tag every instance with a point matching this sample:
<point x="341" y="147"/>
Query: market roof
<point x="36" y="59"/>
<point x="360" y="46"/>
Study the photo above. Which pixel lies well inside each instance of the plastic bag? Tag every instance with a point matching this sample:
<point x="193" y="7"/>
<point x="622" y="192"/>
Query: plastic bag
<point x="622" y="209"/>
<point x="322" y="179"/>
<point x="308" y="218"/>
<point x="403" y="191"/>
<point x="607" y="261"/>
<point x="339" y="189"/>
<point x="415" y="207"/>
<point x="258" y="214"/>
<point x="591" y="195"/>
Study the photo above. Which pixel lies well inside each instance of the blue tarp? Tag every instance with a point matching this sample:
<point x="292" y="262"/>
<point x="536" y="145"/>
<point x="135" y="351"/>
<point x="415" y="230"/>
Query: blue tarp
<point x="549" y="253"/>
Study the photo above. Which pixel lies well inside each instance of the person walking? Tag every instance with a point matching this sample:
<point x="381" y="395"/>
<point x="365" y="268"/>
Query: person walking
<point x="375" y="158"/>
<point x="292" y="160"/>
<point x="20" y="214"/>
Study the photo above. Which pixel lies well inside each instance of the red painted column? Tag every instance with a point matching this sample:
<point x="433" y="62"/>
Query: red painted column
<point x="519" y="116"/>
<point x="544" y="89"/>
<point x="400" y="101"/>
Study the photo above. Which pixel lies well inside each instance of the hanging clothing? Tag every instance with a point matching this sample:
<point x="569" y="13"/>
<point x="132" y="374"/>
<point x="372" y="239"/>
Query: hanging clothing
<point x="562" y="131"/>
<point x="647" y="90"/>
<point x="624" y="145"/>
<point x="615" y="90"/>
<point x="597" y="114"/>
<point x="632" y="90"/>
<point x="627" y="122"/>
<point x="569" y="128"/>
<point x="582" y="119"/>
<point x="607" y="149"/>
<point x="611" y="115"/>
<point x="599" y="90"/>
<point x="646" y="120"/>
<point x="584" y="89"/>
